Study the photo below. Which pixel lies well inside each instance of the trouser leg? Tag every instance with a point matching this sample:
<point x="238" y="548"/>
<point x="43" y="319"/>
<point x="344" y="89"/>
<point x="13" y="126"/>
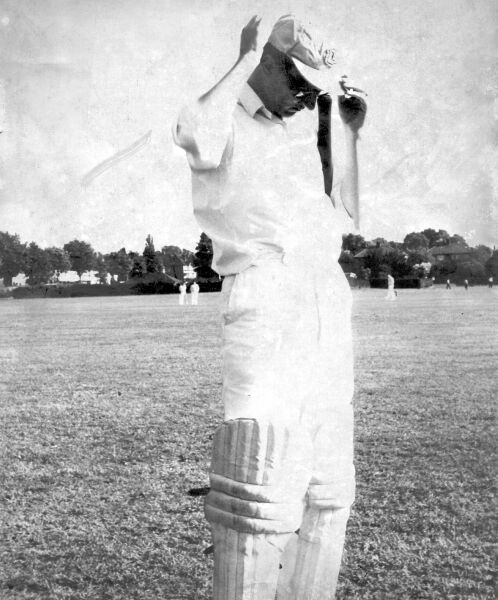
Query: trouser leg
<point x="290" y="364"/>
<point x="259" y="476"/>
<point x="311" y="568"/>
<point x="319" y="549"/>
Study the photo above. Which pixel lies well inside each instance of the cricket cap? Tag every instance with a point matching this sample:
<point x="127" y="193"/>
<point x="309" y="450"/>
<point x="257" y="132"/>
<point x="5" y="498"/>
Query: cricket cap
<point x="303" y="44"/>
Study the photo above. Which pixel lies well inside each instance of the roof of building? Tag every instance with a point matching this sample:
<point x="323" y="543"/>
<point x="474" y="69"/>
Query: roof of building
<point x="383" y="250"/>
<point x="362" y="253"/>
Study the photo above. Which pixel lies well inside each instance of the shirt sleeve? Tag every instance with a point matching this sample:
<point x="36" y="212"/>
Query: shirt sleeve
<point x="203" y="137"/>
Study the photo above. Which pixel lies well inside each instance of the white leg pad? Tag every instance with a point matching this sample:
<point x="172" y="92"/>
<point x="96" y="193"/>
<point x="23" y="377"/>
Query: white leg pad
<point x="259" y="476"/>
<point x="246" y="565"/>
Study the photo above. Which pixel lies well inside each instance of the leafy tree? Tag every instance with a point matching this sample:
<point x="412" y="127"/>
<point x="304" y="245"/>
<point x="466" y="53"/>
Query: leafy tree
<point x="137" y="265"/>
<point x="59" y="260"/>
<point x="353" y="243"/>
<point x="347" y="261"/>
<point x="420" y="255"/>
<point x="482" y="253"/>
<point x="38" y="268"/>
<point x="119" y="263"/>
<point x="365" y="273"/>
<point x="431" y="236"/>
<point x="151" y="260"/>
<point x="384" y="259"/>
<point x="172" y="261"/>
<point x="471" y="269"/>
<point x="457" y="239"/>
<point x="171" y="251"/>
<point x="101" y="267"/>
<point x="379" y="242"/>
<point x="12" y="256"/>
<point x="81" y="255"/>
<point x="491" y="265"/>
<point x="443" y="238"/>
<point x="415" y="240"/>
<point x="187" y="257"/>
<point x="436" y="238"/>
<point x="448" y="267"/>
<point x="203" y="259"/>
<point x="399" y="264"/>
<point x="373" y="261"/>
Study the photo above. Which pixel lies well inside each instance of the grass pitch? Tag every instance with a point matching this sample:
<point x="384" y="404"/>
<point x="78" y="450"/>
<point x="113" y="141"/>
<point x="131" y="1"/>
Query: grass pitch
<point x="108" y="407"/>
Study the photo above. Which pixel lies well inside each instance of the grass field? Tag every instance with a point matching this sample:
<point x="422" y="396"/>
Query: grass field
<point x="108" y="407"/>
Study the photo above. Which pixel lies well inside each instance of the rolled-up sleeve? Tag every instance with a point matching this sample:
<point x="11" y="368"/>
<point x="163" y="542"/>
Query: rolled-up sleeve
<point x="203" y="137"/>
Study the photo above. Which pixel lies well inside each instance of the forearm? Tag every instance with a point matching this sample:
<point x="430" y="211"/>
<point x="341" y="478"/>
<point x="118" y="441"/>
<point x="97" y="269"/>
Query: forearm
<point x="221" y="99"/>
<point x="203" y="128"/>
<point x="350" y="185"/>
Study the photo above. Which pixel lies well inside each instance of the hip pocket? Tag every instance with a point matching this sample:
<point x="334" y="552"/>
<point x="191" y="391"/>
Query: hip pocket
<point x="254" y="291"/>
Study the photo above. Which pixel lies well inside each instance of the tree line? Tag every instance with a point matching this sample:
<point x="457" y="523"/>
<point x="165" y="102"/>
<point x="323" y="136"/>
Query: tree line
<point x="414" y="257"/>
<point x="411" y="257"/>
<point x="45" y="265"/>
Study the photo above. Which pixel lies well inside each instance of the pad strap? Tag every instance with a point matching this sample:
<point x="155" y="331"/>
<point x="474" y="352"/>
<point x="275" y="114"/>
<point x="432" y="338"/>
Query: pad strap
<point x="259" y="476"/>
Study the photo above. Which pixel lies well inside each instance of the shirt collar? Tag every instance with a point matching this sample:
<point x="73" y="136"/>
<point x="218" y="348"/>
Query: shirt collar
<point x="252" y="103"/>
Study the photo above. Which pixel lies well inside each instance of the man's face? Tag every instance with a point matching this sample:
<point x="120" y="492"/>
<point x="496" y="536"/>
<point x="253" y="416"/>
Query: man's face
<point x="288" y="91"/>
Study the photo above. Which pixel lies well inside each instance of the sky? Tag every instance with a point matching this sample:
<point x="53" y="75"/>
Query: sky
<point x="82" y="81"/>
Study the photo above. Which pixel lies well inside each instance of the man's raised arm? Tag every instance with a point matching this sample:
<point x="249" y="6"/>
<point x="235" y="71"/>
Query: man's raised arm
<point x="203" y="129"/>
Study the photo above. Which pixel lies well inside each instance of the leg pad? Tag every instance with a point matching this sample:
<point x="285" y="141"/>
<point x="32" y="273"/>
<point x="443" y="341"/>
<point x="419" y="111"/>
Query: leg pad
<point x="259" y="476"/>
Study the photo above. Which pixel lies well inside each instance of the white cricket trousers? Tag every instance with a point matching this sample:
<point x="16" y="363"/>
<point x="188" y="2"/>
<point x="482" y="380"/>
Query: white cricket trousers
<point x="283" y="458"/>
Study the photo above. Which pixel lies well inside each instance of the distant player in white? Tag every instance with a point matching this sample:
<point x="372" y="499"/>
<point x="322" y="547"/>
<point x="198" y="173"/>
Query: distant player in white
<point x="194" y="293"/>
<point x="183" y="294"/>
<point x="391" y="294"/>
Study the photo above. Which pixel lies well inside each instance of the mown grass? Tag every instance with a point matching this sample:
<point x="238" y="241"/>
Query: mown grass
<point x="108" y="407"/>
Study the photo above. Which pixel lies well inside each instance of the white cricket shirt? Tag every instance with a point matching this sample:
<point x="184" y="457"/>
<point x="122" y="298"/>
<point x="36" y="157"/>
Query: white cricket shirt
<point x="257" y="187"/>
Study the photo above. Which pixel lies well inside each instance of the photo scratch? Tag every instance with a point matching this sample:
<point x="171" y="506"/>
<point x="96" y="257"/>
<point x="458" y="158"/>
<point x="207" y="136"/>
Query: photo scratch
<point x="108" y="163"/>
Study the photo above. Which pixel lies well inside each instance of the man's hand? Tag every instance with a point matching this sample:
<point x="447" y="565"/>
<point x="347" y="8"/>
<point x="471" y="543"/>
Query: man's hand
<point x="352" y="106"/>
<point x="249" y="36"/>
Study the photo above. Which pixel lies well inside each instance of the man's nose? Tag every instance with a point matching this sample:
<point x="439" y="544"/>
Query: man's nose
<point x="310" y="102"/>
<point x="306" y="100"/>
